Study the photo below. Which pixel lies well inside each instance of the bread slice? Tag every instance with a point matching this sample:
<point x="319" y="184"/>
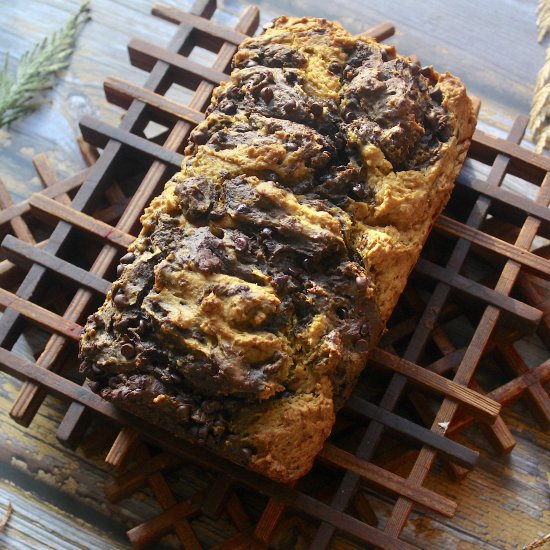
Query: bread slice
<point x="266" y="270"/>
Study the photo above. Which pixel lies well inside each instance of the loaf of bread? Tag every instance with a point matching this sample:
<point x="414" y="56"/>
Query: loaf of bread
<point x="244" y="312"/>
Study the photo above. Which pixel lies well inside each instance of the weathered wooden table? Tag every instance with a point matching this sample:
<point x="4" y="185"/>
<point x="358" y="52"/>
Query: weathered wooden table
<point x="58" y="495"/>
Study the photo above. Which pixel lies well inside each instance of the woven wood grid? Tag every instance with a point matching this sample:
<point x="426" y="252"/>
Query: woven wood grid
<point x="478" y="270"/>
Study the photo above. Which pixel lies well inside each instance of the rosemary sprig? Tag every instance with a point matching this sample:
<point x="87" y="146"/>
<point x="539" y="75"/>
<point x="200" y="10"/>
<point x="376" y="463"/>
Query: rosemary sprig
<point x="37" y="68"/>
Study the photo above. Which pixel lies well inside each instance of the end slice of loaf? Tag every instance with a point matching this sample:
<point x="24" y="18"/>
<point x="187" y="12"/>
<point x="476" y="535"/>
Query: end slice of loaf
<point x="265" y="272"/>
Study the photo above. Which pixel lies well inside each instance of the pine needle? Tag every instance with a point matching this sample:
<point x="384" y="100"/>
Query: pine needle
<point x="539" y="120"/>
<point x="37" y="69"/>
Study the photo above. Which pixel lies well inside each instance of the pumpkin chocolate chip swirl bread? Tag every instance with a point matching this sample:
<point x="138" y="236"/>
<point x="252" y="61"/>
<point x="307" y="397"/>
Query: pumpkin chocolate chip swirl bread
<point x="266" y="270"/>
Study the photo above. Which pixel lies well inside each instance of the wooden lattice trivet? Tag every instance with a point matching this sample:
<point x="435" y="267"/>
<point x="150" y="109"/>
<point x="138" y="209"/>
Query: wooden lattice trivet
<point x="63" y="244"/>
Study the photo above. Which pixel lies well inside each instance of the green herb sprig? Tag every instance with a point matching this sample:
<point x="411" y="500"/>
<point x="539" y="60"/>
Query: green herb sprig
<point x="37" y="69"/>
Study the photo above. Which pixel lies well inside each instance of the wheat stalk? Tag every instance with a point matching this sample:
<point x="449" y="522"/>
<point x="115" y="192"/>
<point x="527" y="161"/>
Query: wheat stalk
<point x="539" y="119"/>
<point x="37" y="68"/>
<point x="543" y="19"/>
<point x="7" y="516"/>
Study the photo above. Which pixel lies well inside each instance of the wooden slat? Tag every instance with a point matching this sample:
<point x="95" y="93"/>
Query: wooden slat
<point x="381" y="478"/>
<point x="53" y="211"/>
<point x="217" y="495"/>
<point x="153" y="529"/>
<point x="40" y="316"/>
<point x="527" y="259"/>
<point x="125" y="442"/>
<point x="55" y="190"/>
<point x="237" y="514"/>
<point x="18" y="224"/>
<point x="176" y="15"/>
<point x="514" y="201"/>
<point x="24" y="254"/>
<point x="451" y="449"/>
<point x="100" y="133"/>
<point x="483" y="407"/>
<point x="270" y="518"/>
<point x="525" y="163"/>
<point x="479" y="291"/>
<point x="144" y="55"/>
<point x="130" y="481"/>
<point x="47" y="175"/>
<point x="122" y="93"/>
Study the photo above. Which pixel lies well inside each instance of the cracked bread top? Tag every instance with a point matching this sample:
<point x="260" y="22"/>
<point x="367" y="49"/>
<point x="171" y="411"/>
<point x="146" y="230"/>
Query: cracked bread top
<point x="266" y="269"/>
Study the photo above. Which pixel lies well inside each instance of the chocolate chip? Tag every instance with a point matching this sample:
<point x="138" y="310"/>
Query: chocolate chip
<point x="119" y="270"/>
<point x="227" y="107"/>
<point x="199" y="417"/>
<point x="122" y="324"/>
<point x="200" y="137"/>
<point x="272" y="176"/>
<point x="128" y="258"/>
<point x="316" y="109"/>
<point x="308" y="264"/>
<point x="384" y="55"/>
<point x="334" y="67"/>
<point x="243" y="209"/>
<point x="216" y="215"/>
<point x="193" y="432"/>
<point x="267" y="94"/>
<point x="211" y="406"/>
<point x="292" y="146"/>
<point x="350" y="116"/>
<point x="429" y="73"/>
<point x="183" y="412"/>
<point x="217" y="231"/>
<point x="436" y="95"/>
<point x="361" y="346"/>
<point x="359" y="191"/>
<point x="120" y="300"/>
<point x="266" y="233"/>
<point x="342" y="312"/>
<point x="241" y="244"/>
<point x="247" y="452"/>
<point x="94" y="386"/>
<point x="361" y="280"/>
<point x="128" y="350"/>
<point x="143" y="326"/>
<point x="290" y="106"/>
<point x="97" y="372"/>
<point x="176" y="378"/>
<point x="293" y="271"/>
<point x="220" y="427"/>
<point x="203" y="433"/>
<point x="364" y="330"/>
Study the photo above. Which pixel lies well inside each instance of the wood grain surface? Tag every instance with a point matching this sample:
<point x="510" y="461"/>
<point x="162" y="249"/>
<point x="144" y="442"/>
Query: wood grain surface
<point x="58" y="495"/>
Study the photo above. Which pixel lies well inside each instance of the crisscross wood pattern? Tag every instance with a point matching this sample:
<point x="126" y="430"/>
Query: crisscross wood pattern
<point x="478" y="271"/>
